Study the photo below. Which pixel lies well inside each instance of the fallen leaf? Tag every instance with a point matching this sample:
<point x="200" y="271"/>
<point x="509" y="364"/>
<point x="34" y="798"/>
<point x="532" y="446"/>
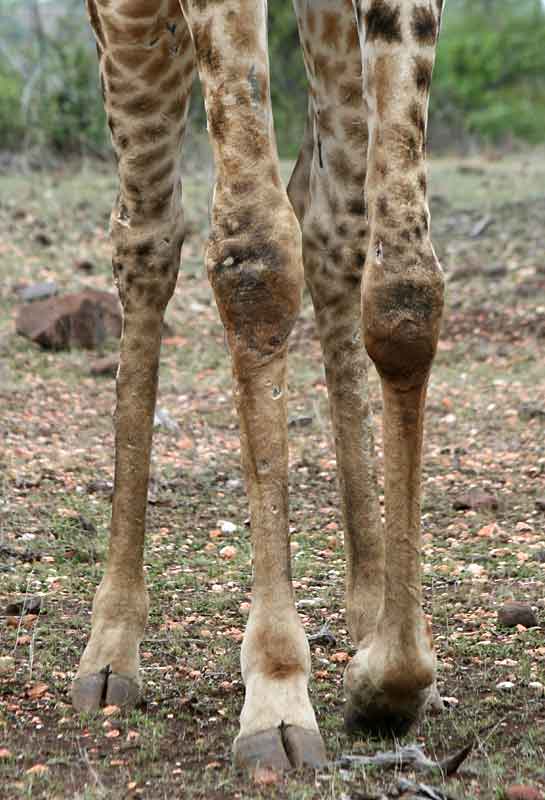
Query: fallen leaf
<point x="38" y="769"/>
<point x="488" y="531"/>
<point x="37" y="690"/>
<point x="264" y="776"/>
<point x="340" y="657"/>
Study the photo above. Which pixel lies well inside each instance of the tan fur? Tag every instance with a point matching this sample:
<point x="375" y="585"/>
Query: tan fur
<point x="357" y="230"/>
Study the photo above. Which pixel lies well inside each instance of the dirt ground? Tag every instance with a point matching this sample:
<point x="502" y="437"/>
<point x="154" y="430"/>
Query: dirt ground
<point x="485" y="439"/>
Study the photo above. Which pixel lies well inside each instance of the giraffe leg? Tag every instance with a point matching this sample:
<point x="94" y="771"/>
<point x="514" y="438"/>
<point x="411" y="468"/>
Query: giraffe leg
<point x="391" y="677"/>
<point x="255" y="267"/>
<point x="146" y="64"/>
<point x="326" y="191"/>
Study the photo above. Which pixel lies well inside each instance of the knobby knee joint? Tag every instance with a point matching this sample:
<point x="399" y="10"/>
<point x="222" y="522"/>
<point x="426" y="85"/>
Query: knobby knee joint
<point x="401" y="322"/>
<point x="145" y="265"/>
<point x="257" y="279"/>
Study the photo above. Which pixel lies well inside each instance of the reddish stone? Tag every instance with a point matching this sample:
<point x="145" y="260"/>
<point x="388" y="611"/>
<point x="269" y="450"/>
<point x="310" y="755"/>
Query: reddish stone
<point x="82" y="319"/>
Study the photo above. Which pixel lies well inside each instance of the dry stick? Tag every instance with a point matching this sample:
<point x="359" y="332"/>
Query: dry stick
<point x="410" y="756"/>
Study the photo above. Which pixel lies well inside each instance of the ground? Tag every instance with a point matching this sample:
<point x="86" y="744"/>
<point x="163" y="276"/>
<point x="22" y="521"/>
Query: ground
<point x="485" y="432"/>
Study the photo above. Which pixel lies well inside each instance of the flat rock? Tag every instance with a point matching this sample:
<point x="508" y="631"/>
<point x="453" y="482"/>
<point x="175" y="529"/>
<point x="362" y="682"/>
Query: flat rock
<point x="476" y="500"/>
<point x="37" y="291"/>
<point x="528" y="411"/>
<point x="100" y="487"/>
<point x="519" y="792"/>
<point x="105" y="366"/>
<point x="82" y="319"/>
<point x="514" y="613"/>
<point x="27" y="605"/>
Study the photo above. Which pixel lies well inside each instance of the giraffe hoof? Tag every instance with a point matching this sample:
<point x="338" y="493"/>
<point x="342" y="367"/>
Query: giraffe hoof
<point x="91" y="692"/>
<point x="378" y="720"/>
<point x="304" y="748"/>
<point x="122" y="691"/>
<point x="281" y="749"/>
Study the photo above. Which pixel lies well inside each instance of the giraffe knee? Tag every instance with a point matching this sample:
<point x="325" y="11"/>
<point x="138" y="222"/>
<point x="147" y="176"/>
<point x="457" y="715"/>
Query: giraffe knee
<point x="401" y="322"/>
<point x="145" y="264"/>
<point x="257" y="278"/>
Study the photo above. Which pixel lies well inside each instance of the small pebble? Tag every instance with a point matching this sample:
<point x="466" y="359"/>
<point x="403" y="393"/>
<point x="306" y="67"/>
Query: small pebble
<point x="226" y="526"/>
<point x="505" y="686"/>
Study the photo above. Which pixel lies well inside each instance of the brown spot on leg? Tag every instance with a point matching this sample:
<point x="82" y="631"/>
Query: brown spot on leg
<point x="424" y="26"/>
<point x="382" y="22"/>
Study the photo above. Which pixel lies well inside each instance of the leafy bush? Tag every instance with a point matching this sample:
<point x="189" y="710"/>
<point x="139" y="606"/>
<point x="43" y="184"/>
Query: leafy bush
<point x="489" y="78"/>
<point x="490" y="69"/>
<point x="11" y="119"/>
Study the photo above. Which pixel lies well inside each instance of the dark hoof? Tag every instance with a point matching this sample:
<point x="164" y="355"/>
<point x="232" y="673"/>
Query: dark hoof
<point x="104" y="688"/>
<point x="304" y="748"/>
<point x="378" y="721"/>
<point x="122" y="691"/>
<point x="262" y="750"/>
<point x="280" y="749"/>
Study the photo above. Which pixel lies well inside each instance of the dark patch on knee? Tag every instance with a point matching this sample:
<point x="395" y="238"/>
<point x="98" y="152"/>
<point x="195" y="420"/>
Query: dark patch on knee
<point x="382" y="22"/>
<point x="406" y="296"/>
<point x="424" y="25"/>
<point x="144" y="249"/>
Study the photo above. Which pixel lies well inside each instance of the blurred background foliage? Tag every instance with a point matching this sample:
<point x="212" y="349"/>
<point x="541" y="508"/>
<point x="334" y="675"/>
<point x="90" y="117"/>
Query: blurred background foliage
<point x="489" y="85"/>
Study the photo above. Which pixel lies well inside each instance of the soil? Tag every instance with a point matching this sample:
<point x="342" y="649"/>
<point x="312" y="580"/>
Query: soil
<point x="485" y="435"/>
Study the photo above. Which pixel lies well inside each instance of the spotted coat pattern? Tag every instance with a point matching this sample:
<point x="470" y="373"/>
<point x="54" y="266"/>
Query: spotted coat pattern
<point x="354" y="224"/>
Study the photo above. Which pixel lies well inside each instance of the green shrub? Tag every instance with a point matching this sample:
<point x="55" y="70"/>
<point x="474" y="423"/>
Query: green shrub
<point x="11" y="120"/>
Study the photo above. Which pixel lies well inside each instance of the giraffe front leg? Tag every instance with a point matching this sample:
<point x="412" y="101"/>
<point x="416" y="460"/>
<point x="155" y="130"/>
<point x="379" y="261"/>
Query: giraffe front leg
<point x="254" y="263"/>
<point x="258" y="294"/>
<point x="147" y="65"/>
<point x="256" y="275"/>
<point x="391" y="677"/>
<point x="255" y="267"/>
